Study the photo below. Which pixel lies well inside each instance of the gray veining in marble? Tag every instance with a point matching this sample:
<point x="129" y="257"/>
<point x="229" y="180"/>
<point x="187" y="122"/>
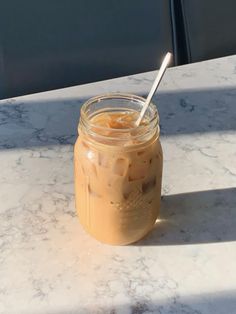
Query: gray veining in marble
<point x="49" y="265"/>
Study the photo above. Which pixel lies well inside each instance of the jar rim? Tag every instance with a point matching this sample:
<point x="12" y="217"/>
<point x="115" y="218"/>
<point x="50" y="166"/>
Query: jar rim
<point x="125" y="96"/>
<point x="141" y="131"/>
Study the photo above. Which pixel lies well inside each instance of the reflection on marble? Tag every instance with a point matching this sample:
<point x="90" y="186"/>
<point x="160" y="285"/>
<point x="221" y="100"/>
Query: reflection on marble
<point x="49" y="265"/>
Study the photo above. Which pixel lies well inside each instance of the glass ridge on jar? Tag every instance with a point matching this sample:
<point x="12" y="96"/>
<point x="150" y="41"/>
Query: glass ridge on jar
<point x="118" y="172"/>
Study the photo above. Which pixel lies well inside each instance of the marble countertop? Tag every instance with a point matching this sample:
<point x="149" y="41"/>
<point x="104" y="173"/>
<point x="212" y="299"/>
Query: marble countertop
<point x="187" y="265"/>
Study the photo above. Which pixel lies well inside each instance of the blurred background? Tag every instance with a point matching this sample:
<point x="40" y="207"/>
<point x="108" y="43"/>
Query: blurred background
<point x="52" y="44"/>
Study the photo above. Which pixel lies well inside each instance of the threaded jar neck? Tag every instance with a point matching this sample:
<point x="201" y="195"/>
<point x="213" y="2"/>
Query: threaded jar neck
<point x="115" y="104"/>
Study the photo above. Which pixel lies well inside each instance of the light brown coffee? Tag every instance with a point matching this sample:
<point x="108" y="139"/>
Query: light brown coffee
<point x="117" y="184"/>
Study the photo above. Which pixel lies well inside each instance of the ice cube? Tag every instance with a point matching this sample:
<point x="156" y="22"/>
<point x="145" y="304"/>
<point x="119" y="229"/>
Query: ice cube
<point x="149" y="185"/>
<point x="103" y="160"/>
<point x="120" y="166"/>
<point x="138" y="171"/>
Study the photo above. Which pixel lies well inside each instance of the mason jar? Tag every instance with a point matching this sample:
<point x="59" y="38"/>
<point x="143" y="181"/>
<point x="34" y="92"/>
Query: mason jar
<point x="118" y="170"/>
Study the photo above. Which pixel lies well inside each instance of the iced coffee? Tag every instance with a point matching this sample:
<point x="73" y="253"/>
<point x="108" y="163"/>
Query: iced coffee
<point x="118" y="169"/>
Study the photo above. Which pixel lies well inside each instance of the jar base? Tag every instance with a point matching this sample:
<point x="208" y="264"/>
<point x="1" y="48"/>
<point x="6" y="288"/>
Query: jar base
<point x="120" y="243"/>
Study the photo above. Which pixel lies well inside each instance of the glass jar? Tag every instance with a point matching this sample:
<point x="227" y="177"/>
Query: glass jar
<point x="118" y="172"/>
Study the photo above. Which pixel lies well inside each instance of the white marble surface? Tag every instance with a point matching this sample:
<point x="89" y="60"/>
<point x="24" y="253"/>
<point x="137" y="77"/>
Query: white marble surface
<point x="48" y="265"/>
